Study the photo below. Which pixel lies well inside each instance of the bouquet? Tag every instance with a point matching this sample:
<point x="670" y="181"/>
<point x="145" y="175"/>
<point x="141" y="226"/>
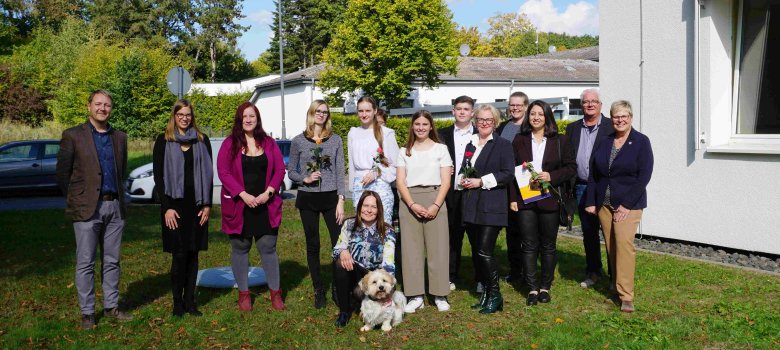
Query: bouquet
<point x="319" y="160"/>
<point x="467" y="170"/>
<point x="380" y="160"/>
<point x="546" y="186"/>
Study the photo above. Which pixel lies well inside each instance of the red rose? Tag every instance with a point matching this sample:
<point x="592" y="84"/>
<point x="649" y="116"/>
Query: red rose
<point x="469" y="154"/>
<point x="379" y="149"/>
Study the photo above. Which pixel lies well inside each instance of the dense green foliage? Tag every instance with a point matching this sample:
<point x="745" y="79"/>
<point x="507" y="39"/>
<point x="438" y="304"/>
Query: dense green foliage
<point x="307" y="31"/>
<point x="216" y="113"/>
<point x="380" y="47"/>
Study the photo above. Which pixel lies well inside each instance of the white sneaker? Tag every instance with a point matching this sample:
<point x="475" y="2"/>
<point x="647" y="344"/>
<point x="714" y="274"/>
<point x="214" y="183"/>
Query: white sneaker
<point x="452" y="286"/>
<point x="442" y="304"/>
<point x="480" y="288"/>
<point x="413" y="304"/>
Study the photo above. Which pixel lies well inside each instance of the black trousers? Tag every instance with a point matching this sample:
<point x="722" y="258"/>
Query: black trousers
<point x="457" y="231"/>
<point x="346" y="281"/>
<point x="184" y="273"/>
<point x="486" y="263"/>
<point x="514" y="246"/>
<point x="538" y="231"/>
<point x="311" y="229"/>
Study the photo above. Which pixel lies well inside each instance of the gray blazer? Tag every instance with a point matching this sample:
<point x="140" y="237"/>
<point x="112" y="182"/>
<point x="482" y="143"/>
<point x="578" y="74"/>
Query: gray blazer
<point x="78" y="170"/>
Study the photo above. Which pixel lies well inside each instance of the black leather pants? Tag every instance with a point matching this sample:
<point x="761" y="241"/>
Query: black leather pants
<point x="486" y="263"/>
<point x="538" y="232"/>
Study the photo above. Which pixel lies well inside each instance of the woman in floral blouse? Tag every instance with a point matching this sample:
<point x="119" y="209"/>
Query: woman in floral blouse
<point x="366" y="243"/>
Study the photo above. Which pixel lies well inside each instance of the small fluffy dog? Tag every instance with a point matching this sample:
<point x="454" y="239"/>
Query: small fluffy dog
<point x="382" y="304"/>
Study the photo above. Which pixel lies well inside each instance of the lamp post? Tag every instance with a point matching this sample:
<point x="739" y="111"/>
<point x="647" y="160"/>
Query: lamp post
<point x="281" y="70"/>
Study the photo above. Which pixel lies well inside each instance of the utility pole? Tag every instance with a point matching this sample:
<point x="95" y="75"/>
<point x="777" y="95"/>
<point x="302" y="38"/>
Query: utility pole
<point x="281" y="70"/>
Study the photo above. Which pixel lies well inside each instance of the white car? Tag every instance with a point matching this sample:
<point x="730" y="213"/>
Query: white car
<point x="140" y="183"/>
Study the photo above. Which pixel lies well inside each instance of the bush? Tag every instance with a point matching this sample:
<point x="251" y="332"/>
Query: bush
<point x="215" y="113"/>
<point x="19" y="102"/>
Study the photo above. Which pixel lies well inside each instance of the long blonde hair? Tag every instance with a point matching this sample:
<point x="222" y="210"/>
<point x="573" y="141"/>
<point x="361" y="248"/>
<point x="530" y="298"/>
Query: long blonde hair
<point x="326" y="128"/>
<point x="170" y="129"/>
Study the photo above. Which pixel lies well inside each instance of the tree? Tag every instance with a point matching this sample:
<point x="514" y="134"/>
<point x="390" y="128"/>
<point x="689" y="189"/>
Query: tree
<point x="471" y="36"/>
<point x="380" y="47"/>
<point x="218" y="22"/>
<point x="505" y="32"/>
<point x="308" y="26"/>
<point x="260" y="65"/>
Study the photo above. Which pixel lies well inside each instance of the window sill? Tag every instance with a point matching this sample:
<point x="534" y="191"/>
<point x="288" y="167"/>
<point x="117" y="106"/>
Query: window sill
<point x="747" y="148"/>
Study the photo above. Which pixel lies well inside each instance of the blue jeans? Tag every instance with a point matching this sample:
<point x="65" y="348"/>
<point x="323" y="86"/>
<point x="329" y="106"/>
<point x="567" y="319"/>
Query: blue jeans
<point x="590" y="233"/>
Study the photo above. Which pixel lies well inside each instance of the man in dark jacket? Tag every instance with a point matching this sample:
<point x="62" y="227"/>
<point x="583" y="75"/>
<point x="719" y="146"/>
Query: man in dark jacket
<point x="456" y="137"/>
<point x="585" y="133"/>
<point x="90" y="169"/>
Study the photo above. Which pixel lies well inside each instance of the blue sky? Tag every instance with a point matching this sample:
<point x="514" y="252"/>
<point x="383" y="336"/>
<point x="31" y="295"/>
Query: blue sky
<point x="569" y="16"/>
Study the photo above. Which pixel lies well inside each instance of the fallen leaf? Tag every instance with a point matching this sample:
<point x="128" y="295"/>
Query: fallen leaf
<point x="70" y="285"/>
<point x="606" y="346"/>
<point x="362" y="339"/>
<point x="534" y="346"/>
<point x="558" y="320"/>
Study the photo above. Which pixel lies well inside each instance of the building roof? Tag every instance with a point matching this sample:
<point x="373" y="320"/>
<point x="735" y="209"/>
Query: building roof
<point x="523" y="69"/>
<point x="586" y="53"/>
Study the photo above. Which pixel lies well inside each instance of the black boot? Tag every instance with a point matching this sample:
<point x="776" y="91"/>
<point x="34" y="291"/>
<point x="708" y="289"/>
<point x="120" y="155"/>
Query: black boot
<point x="190" y="306"/>
<point x="178" y="305"/>
<point x="494" y="303"/>
<point x="319" y="298"/>
<point x="483" y="298"/>
<point x="343" y="319"/>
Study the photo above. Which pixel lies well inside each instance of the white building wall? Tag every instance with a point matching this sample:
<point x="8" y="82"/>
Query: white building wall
<point x="297" y="99"/>
<point x="724" y="199"/>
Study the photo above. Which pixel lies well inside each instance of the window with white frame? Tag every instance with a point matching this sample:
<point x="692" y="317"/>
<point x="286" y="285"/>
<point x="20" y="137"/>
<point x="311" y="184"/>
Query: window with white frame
<point x="757" y="70"/>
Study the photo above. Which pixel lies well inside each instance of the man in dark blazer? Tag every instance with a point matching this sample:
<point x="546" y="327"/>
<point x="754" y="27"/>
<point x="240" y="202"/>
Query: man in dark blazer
<point x="90" y="170"/>
<point x="584" y="134"/>
<point x="456" y="137"/>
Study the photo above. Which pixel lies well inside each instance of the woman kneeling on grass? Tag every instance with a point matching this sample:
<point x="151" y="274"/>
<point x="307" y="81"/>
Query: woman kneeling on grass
<point x="366" y="243"/>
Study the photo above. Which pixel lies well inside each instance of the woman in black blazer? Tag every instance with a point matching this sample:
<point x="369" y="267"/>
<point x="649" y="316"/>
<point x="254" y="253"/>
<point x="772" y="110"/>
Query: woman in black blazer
<point x="620" y="170"/>
<point x="540" y="144"/>
<point x="485" y="203"/>
<point x="183" y="177"/>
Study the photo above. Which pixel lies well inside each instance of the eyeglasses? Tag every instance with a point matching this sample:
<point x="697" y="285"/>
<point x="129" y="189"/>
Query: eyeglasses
<point x="183" y="115"/>
<point x="485" y="121"/>
<point x="321" y="112"/>
<point x="518" y="106"/>
<point x="585" y="103"/>
<point x="621" y="117"/>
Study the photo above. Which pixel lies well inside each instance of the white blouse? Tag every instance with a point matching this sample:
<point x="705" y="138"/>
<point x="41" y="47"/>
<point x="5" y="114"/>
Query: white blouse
<point x="423" y="168"/>
<point x="362" y="148"/>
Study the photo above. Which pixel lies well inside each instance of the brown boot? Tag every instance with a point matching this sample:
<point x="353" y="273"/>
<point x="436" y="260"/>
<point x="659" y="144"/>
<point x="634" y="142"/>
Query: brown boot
<point x="244" y="301"/>
<point x="276" y="299"/>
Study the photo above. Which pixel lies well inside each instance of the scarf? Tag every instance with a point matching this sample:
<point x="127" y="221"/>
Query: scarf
<point x="174" y="168"/>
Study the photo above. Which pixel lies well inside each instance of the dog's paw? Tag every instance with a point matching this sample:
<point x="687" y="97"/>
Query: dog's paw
<point x="365" y="328"/>
<point x="386" y="327"/>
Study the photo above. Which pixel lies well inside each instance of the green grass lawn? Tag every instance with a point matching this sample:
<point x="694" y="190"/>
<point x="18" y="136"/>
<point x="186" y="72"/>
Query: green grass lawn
<point x="680" y="304"/>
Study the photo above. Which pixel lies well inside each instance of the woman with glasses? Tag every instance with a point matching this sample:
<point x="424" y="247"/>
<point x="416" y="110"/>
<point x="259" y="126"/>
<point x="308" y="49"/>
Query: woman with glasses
<point x="620" y="170"/>
<point x="317" y="163"/>
<point x="183" y="179"/>
<point x="518" y="104"/>
<point x="485" y="206"/>
<point x="550" y="154"/>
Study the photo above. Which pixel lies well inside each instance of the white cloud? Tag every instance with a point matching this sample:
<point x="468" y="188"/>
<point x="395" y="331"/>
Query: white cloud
<point x="263" y="18"/>
<point x="578" y="18"/>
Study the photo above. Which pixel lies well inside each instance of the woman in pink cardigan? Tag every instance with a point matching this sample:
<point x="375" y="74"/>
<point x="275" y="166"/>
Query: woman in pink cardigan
<point x="251" y="168"/>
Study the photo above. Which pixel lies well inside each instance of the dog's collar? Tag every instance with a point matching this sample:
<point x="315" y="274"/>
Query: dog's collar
<point x="386" y="302"/>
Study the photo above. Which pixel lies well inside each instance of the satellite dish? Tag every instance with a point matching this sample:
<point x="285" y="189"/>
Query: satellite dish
<point x="551" y="49"/>
<point x="464" y="50"/>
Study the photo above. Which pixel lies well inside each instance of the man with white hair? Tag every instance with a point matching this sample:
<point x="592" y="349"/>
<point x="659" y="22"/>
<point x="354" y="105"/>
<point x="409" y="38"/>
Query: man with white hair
<point x="585" y="133"/>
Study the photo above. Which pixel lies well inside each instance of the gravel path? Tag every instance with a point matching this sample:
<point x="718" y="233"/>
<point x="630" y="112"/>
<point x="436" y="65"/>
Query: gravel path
<point x="699" y="252"/>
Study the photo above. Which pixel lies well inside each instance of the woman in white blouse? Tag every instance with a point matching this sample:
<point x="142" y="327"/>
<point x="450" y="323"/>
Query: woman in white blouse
<point x="372" y="151"/>
<point x="424" y="167"/>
